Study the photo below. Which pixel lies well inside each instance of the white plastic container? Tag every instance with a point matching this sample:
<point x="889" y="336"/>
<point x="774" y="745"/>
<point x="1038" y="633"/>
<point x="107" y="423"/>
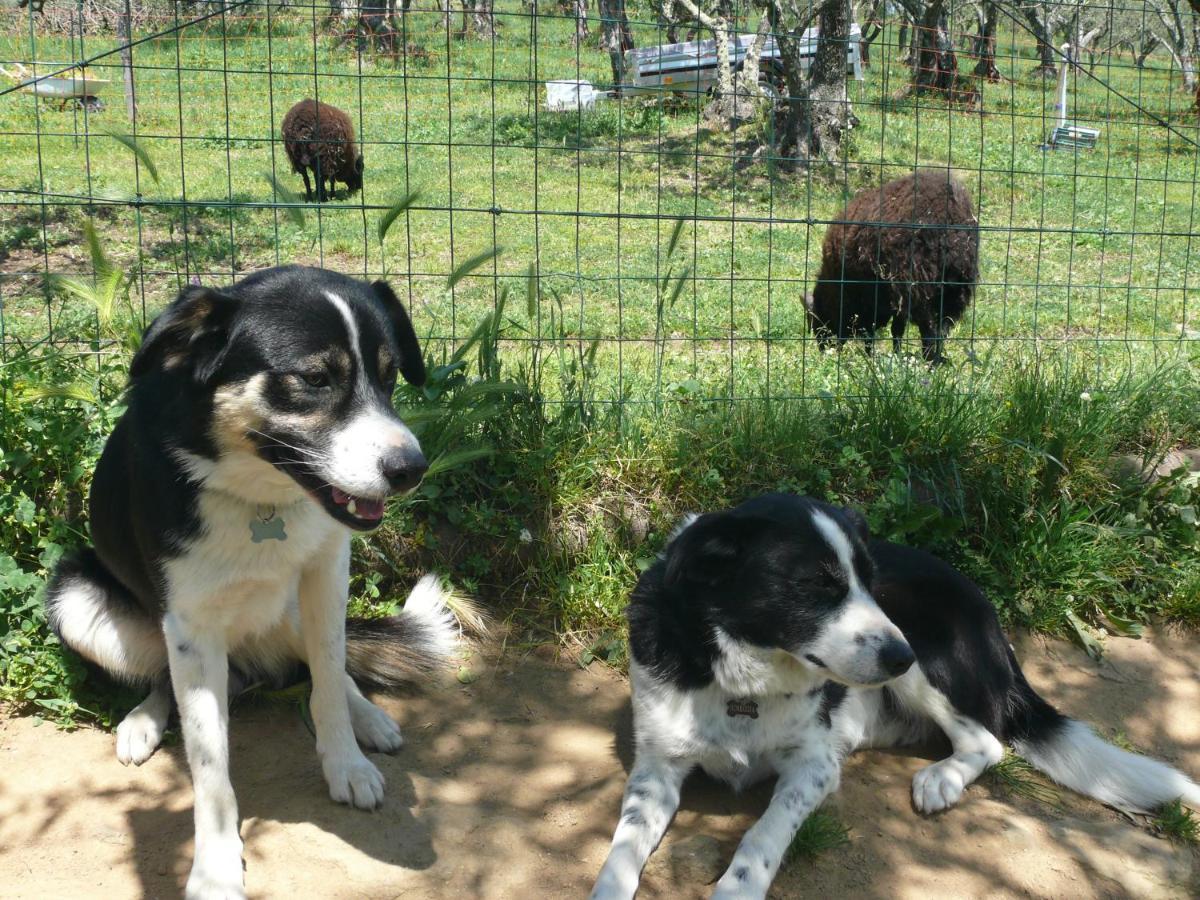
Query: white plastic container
<point x="564" y="96"/>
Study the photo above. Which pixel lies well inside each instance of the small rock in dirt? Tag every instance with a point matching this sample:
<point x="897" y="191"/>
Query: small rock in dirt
<point x="693" y="860"/>
<point x="1131" y="465"/>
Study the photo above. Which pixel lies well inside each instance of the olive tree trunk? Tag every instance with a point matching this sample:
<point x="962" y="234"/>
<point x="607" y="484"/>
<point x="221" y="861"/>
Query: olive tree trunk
<point x="937" y="64"/>
<point x="615" y="36"/>
<point x="818" y="108"/>
<point x="985" y="43"/>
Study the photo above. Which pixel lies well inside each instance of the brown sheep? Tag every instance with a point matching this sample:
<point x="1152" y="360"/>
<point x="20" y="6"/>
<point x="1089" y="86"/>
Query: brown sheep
<point x="891" y="257"/>
<point x="320" y="137"/>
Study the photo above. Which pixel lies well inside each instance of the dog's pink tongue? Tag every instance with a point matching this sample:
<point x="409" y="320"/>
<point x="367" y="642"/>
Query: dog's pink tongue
<point x="369" y="509"/>
<point x="340" y="497"/>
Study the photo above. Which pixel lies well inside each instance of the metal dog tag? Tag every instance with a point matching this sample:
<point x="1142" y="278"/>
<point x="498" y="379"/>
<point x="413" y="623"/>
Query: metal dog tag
<point x="742" y="707"/>
<point x="269" y="529"/>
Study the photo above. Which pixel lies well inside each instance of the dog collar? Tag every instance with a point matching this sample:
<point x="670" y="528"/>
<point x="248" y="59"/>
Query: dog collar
<point x="742" y="706"/>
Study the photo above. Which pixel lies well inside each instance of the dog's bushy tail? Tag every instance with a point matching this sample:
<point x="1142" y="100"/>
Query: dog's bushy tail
<point x="96" y="616"/>
<point x="1076" y="757"/>
<point x="422" y="638"/>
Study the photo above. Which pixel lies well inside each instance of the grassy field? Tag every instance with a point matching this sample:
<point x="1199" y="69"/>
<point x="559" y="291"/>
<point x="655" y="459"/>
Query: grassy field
<point x="1081" y="344"/>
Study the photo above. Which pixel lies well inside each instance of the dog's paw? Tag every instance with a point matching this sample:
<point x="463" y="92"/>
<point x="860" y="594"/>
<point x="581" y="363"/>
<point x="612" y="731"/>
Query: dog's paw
<point x="354" y="780"/>
<point x="138" y="736"/>
<point x="938" y="786"/>
<point x="374" y="728"/>
<point x="741" y="881"/>
<point x="217" y="875"/>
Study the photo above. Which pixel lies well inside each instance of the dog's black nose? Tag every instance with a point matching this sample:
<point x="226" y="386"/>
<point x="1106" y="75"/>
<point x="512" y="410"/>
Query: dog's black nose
<point x="896" y="657"/>
<point x="403" y="468"/>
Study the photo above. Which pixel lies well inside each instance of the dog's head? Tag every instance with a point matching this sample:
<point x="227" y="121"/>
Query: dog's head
<point x="784" y="572"/>
<point x="295" y="368"/>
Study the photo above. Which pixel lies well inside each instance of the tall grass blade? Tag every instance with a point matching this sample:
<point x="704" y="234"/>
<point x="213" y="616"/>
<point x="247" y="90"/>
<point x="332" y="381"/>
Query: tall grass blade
<point x="531" y="291"/>
<point x="675" y="233"/>
<point x="470" y="265"/>
<point x="138" y="150"/>
<point x="388" y="218"/>
<point x="447" y="461"/>
<point x="288" y="196"/>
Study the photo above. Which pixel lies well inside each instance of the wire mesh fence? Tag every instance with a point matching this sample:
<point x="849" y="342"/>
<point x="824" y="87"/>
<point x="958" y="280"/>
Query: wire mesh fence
<point x="671" y="249"/>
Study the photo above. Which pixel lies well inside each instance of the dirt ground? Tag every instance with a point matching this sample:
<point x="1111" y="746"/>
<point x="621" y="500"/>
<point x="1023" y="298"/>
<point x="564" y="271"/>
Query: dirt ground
<point x="510" y="786"/>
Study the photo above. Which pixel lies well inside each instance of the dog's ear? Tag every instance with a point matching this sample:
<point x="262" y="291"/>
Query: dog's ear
<point x="707" y="551"/>
<point x="412" y="364"/>
<point x="193" y="333"/>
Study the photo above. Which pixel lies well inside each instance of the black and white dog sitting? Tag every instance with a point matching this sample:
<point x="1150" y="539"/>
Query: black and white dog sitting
<point x="776" y="638"/>
<point x="259" y="434"/>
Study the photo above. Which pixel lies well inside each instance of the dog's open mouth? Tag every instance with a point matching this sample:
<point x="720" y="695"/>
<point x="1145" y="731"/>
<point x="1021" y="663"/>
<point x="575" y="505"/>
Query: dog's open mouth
<point x="370" y="510"/>
<point x="362" y="513"/>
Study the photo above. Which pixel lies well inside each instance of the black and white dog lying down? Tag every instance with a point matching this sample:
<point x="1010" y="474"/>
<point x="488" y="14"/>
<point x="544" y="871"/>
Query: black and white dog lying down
<point x="259" y="434"/>
<point x="777" y="638"/>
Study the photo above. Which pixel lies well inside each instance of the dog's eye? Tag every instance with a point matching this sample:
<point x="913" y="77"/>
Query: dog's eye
<point x="830" y="580"/>
<point x="316" y="378"/>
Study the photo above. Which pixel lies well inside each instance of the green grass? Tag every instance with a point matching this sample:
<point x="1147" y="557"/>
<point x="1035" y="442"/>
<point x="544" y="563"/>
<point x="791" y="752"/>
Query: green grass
<point x="578" y="417"/>
<point x="822" y="831"/>
<point x="1177" y="823"/>
<point x="1015" y="777"/>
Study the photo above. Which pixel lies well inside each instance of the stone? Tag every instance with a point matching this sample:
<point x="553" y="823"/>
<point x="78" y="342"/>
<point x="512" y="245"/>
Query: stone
<point x="691" y="861"/>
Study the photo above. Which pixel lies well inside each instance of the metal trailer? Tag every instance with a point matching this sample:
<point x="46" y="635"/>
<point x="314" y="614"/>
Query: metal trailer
<point x="691" y="67"/>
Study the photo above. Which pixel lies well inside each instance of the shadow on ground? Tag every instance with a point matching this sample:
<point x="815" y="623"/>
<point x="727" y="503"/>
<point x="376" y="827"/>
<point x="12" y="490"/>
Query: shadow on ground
<point x="509" y="787"/>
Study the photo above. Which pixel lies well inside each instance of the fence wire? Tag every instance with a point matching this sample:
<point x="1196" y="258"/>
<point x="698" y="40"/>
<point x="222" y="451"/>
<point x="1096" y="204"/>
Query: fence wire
<point x="676" y="248"/>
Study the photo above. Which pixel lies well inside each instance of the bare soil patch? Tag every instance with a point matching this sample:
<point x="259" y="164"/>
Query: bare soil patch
<point x="510" y="786"/>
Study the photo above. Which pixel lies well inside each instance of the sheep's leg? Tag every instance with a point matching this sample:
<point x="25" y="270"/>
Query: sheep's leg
<point x="931" y="342"/>
<point x="307" y="186"/>
<point x="900" y="319"/>
<point x="931" y="334"/>
<point x="899" y="323"/>
<point x="321" y="198"/>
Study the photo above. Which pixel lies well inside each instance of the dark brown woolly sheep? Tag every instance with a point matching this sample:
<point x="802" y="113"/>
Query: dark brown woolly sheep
<point x="320" y="137"/>
<point x="891" y="257"/>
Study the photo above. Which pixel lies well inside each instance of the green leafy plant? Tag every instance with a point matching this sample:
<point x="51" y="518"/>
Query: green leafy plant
<point x="1177" y="823"/>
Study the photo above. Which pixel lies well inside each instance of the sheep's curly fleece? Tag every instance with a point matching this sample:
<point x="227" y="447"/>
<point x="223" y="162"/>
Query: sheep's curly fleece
<point x="320" y="137"/>
<point x="890" y="257"/>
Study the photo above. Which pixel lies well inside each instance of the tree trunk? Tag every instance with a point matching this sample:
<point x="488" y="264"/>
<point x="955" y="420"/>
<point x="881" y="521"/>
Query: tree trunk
<point x="937" y="65"/>
<point x="581" y="22"/>
<point x="615" y="36"/>
<point x="1047" y="66"/>
<point x="750" y="77"/>
<point x="985" y="43"/>
<point x="872" y="28"/>
<point x="723" y="108"/>
<point x="1148" y="44"/>
<point x="482" y="20"/>
<point x="125" y="35"/>
<point x="818" y="111"/>
<point x="667" y="20"/>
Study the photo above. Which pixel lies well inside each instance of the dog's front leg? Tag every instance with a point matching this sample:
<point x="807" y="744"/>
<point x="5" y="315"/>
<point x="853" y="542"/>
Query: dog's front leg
<point x="805" y="779"/>
<point x="324" y="589"/>
<point x="651" y="798"/>
<point x="199" y="672"/>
